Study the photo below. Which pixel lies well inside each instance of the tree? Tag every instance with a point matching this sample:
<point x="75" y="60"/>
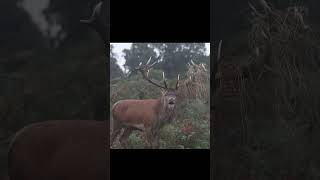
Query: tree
<point x="175" y="56"/>
<point x="172" y="57"/>
<point x="115" y="70"/>
<point x="139" y="52"/>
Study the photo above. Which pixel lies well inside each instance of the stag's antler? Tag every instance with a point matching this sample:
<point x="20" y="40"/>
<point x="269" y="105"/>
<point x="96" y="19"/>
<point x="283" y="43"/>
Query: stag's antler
<point x="144" y="69"/>
<point x="219" y="50"/>
<point x="177" y="84"/>
<point x="96" y="22"/>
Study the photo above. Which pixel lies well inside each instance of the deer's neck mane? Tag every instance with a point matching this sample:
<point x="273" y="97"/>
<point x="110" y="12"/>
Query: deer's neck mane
<point x="164" y="114"/>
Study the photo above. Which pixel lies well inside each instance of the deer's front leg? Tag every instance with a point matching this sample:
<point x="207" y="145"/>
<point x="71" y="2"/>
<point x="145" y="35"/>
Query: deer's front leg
<point x="156" y="140"/>
<point x="148" y="139"/>
<point x="124" y="137"/>
<point x="153" y="137"/>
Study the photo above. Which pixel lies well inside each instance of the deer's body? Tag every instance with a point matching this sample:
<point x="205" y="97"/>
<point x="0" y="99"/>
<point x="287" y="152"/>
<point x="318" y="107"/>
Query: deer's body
<point x="65" y="150"/>
<point x="147" y="115"/>
<point x="140" y="113"/>
<point x="129" y="112"/>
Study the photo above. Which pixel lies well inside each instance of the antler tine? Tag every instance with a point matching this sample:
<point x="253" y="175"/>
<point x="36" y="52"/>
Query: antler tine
<point x="147" y="66"/>
<point x="156" y="62"/>
<point x="150" y="81"/>
<point x="138" y="67"/>
<point x="148" y="73"/>
<point x="96" y="22"/>
<point x="145" y="73"/>
<point x="177" y="84"/>
<point x="204" y="67"/>
<point x="219" y="51"/>
<point x="148" y="61"/>
<point x="164" y="80"/>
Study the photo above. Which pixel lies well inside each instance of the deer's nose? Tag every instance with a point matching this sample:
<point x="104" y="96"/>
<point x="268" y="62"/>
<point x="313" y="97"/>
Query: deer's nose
<point x="172" y="99"/>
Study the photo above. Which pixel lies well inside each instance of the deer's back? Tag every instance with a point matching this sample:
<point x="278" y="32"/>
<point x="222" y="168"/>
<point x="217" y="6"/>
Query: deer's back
<point x="60" y="150"/>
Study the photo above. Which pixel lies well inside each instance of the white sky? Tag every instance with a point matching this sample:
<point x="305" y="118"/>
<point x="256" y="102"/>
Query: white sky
<point x="118" y="47"/>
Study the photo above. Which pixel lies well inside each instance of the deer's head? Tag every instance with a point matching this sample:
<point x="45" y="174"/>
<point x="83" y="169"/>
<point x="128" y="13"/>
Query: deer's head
<point x="169" y="95"/>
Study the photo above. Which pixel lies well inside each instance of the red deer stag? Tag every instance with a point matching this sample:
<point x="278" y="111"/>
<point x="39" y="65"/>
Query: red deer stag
<point x="64" y="150"/>
<point x="147" y="115"/>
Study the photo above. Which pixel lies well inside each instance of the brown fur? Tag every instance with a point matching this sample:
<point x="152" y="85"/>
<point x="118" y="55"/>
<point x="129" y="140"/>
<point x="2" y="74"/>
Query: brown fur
<point x="124" y="109"/>
<point x="64" y="150"/>
<point x="132" y="114"/>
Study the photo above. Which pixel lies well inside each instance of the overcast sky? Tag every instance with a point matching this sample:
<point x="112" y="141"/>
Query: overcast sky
<point x="118" y="47"/>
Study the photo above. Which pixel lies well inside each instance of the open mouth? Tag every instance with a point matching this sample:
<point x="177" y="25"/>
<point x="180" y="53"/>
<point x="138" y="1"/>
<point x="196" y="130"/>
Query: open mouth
<point x="171" y="103"/>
